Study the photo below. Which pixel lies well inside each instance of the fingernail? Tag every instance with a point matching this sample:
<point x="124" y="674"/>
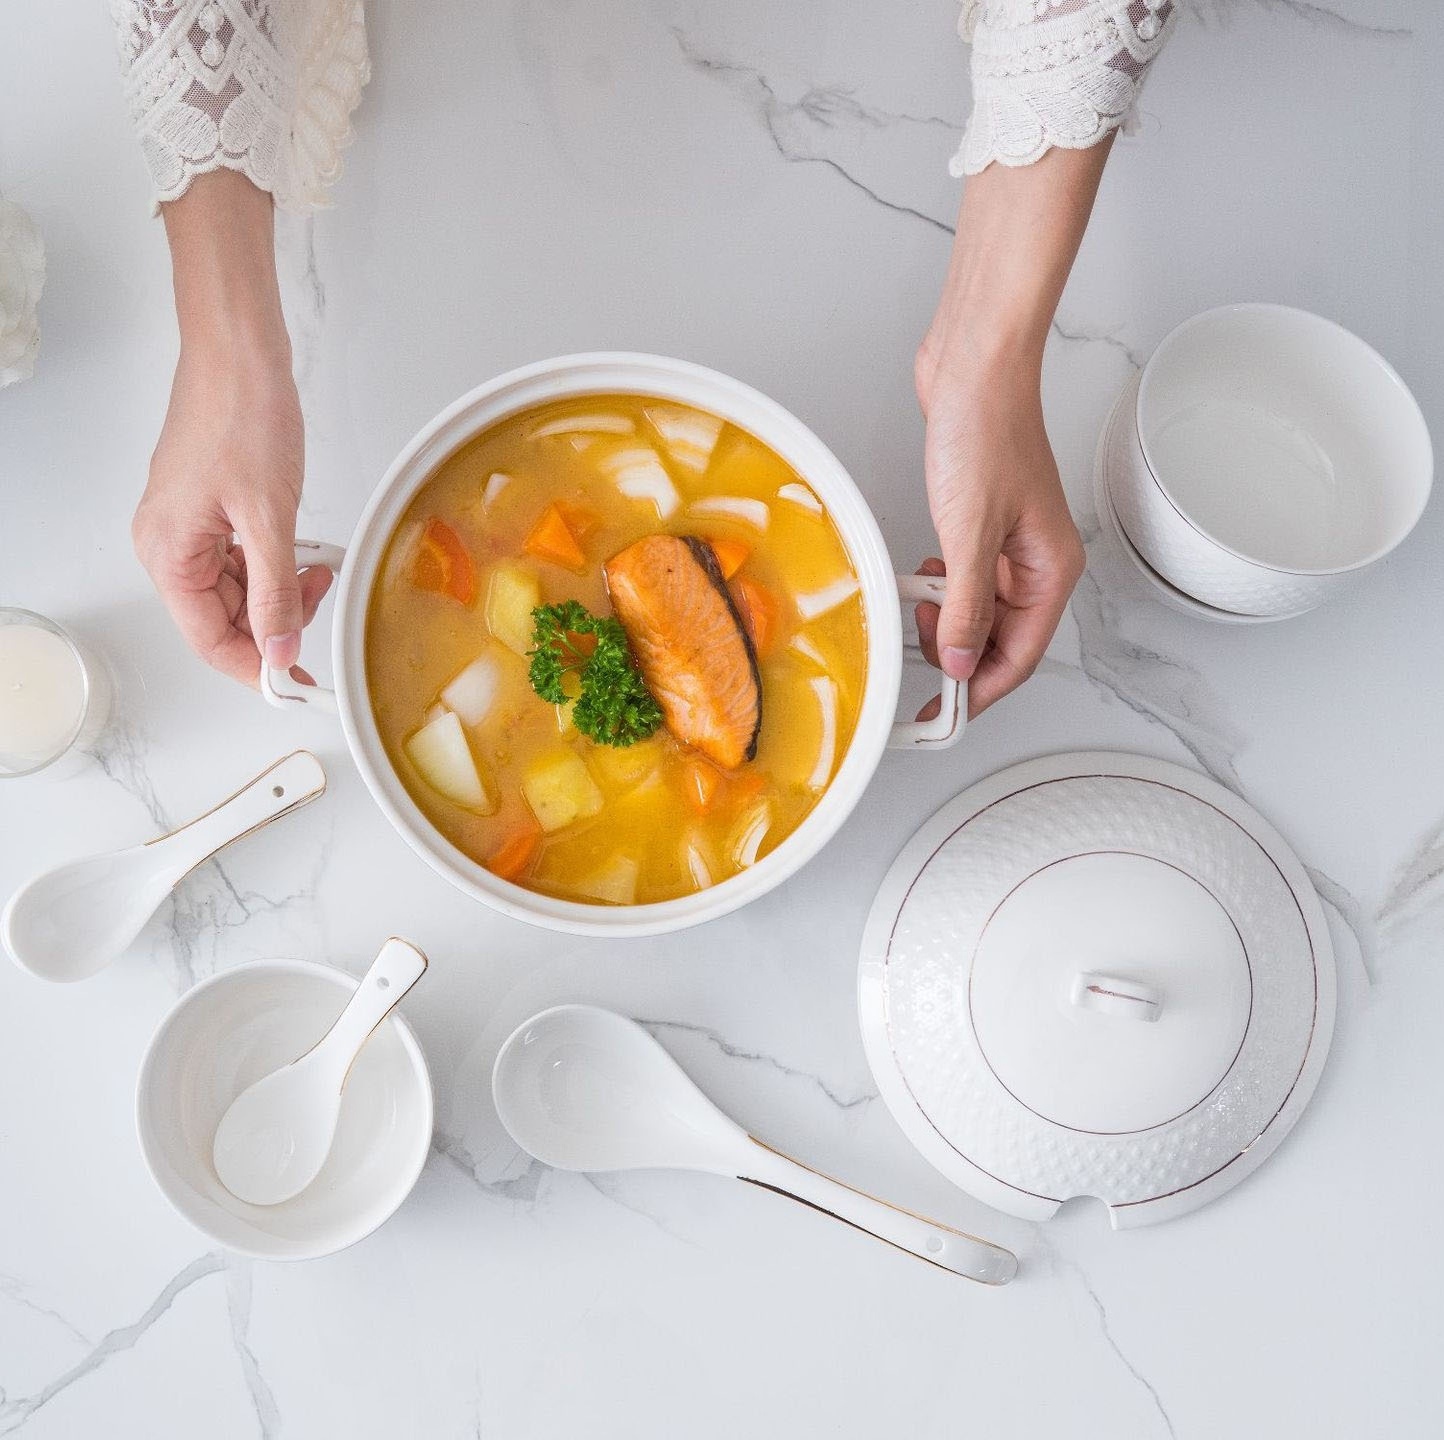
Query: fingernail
<point x="282" y="650"/>
<point x="960" y="663"/>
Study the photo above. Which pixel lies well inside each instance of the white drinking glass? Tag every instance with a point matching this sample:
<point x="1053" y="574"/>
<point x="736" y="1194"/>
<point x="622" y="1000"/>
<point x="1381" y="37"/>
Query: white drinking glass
<point x="54" y="694"/>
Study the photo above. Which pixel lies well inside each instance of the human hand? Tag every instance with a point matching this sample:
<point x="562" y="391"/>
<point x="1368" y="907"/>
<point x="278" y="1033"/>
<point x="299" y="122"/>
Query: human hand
<point x="1010" y="549"/>
<point x="216" y="526"/>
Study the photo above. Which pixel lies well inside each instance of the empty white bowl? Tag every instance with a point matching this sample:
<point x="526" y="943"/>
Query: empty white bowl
<point x="1272" y="455"/>
<point x="1115" y="433"/>
<point x="221" y="1037"/>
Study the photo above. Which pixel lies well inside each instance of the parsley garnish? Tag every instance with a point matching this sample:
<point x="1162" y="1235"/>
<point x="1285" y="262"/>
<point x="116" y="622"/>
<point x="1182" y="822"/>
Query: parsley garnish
<point x="614" y="706"/>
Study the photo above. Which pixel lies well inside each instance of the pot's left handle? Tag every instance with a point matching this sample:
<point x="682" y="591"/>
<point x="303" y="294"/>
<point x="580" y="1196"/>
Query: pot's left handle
<point x="946" y="728"/>
<point x="277" y="685"/>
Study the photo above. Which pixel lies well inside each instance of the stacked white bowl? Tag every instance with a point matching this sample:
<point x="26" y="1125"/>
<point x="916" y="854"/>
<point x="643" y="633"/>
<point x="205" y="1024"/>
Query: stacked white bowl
<point x="1262" y="458"/>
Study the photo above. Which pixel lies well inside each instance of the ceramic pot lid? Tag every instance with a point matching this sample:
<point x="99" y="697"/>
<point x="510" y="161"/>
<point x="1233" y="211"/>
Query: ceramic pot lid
<point x="1096" y="974"/>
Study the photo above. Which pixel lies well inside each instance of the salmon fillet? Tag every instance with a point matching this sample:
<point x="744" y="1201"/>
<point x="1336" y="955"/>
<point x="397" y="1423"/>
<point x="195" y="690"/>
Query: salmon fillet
<point x="690" y="644"/>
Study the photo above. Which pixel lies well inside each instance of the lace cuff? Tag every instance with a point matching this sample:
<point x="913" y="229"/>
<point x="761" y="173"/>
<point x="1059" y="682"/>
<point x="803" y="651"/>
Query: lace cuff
<point x="265" y="87"/>
<point x="1054" y="73"/>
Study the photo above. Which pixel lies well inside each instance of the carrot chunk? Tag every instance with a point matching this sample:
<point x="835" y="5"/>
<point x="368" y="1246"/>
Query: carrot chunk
<point x="583" y="523"/>
<point x="760" y="613"/>
<point x="731" y="556"/>
<point x="744" y="785"/>
<point x="514" y="855"/>
<point x="552" y="539"/>
<point x="443" y="564"/>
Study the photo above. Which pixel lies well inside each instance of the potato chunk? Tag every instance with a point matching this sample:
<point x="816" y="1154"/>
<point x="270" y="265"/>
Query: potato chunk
<point x="614" y="883"/>
<point x="513" y="594"/>
<point x="560" y="790"/>
<point x="442" y="756"/>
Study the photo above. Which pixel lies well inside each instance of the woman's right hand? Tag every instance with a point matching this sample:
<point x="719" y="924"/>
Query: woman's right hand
<point x="1011" y="549"/>
<point x="216" y="527"/>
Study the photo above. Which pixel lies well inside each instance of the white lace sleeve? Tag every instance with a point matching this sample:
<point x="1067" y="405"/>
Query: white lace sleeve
<point x="265" y="87"/>
<point x="1053" y="73"/>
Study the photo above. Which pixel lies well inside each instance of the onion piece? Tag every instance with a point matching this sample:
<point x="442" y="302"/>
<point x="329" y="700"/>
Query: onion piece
<point x="401" y="555"/>
<point x="826" y="691"/>
<point x="819" y="602"/>
<point x="639" y="474"/>
<point x="802" y="495"/>
<point x="804" y="647"/>
<point x="690" y="435"/>
<point x="494" y="486"/>
<point x="734" y="507"/>
<point x="697" y="867"/>
<point x="599" y="424"/>
<point x="752" y="832"/>
<point x="473" y="691"/>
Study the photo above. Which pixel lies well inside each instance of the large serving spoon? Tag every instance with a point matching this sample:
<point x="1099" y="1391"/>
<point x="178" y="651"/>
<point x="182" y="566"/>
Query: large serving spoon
<point x="71" y="922"/>
<point x="586" y="1089"/>
<point x="275" y="1137"/>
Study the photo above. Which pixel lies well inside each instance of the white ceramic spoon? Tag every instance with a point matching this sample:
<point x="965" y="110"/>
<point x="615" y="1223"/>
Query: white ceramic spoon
<point x="71" y="922"/>
<point x="275" y="1137"/>
<point x="586" y="1089"/>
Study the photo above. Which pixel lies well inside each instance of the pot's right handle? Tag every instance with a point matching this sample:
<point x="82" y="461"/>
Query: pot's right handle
<point x="946" y="728"/>
<point x="277" y="686"/>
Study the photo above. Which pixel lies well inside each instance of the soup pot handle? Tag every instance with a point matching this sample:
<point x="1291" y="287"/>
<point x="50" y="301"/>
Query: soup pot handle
<point x="276" y="685"/>
<point x="946" y="728"/>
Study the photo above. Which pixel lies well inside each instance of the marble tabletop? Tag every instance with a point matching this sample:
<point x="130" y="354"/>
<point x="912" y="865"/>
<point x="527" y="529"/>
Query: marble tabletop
<point x="762" y="188"/>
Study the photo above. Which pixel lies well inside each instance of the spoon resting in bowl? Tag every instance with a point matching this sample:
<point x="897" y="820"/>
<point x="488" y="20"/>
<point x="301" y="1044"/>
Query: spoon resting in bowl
<point x="582" y="1088"/>
<point x="275" y="1137"/>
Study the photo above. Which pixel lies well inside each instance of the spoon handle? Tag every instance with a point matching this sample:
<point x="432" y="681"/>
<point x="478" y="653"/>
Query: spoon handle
<point x="393" y="972"/>
<point x="276" y="791"/>
<point x="929" y="1240"/>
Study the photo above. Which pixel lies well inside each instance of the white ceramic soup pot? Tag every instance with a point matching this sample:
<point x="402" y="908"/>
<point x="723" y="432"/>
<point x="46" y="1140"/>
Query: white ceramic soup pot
<point x="1271" y="457"/>
<point x="650" y="375"/>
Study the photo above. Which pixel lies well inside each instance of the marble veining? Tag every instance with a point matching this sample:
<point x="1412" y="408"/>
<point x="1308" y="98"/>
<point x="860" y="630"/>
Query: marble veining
<point x="1061" y="1266"/>
<point x="1322" y="15"/>
<point x="844" y="1101"/>
<point x="17" y="1412"/>
<point x="803" y="130"/>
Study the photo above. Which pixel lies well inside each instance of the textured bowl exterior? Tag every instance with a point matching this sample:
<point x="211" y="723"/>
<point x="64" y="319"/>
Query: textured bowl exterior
<point x="1149" y="579"/>
<point x="1183" y="555"/>
<point x="917" y="958"/>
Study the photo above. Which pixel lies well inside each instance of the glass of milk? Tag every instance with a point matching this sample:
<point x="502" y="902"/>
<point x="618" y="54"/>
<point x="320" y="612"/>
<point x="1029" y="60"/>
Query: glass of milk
<point x="54" y="699"/>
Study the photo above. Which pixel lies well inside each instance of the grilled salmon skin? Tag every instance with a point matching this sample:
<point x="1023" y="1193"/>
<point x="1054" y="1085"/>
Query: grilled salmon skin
<point x="690" y="644"/>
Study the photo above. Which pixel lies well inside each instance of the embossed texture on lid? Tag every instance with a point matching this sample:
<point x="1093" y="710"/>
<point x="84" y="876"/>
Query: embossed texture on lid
<point x="1096" y="974"/>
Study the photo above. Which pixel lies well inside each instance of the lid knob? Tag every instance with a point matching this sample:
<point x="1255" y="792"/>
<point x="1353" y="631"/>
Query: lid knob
<point x="1112" y="995"/>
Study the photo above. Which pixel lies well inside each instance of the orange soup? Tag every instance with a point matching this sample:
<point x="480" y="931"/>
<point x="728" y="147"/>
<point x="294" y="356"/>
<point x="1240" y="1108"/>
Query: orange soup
<point x="616" y="650"/>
